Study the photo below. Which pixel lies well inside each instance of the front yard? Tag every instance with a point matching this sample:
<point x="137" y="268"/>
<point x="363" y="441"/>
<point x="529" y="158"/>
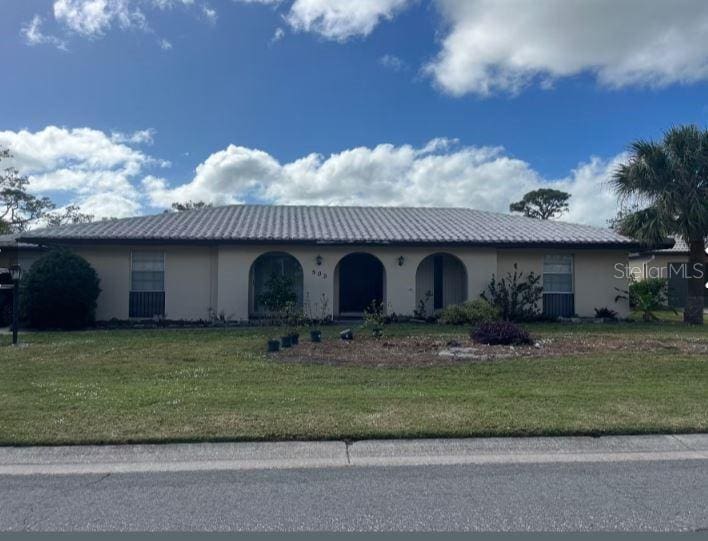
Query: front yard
<point x="216" y="384"/>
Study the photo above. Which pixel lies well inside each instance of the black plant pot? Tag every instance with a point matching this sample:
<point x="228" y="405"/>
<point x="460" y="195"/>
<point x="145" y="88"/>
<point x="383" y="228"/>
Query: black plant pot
<point x="285" y="342"/>
<point x="316" y="336"/>
<point x="294" y="339"/>
<point x="273" y="345"/>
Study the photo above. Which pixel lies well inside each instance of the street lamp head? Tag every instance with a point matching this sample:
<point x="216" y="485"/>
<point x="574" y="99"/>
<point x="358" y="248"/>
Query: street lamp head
<point x="15" y="272"/>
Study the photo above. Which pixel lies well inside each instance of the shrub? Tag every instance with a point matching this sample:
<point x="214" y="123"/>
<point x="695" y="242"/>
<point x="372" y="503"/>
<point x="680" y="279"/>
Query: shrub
<point x="469" y="313"/>
<point x="60" y="291"/>
<point x="605" y="313"/>
<point x="500" y="332"/>
<point x="375" y="318"/>
<point x="517" y="298"/>
<point x="647" y="296"/>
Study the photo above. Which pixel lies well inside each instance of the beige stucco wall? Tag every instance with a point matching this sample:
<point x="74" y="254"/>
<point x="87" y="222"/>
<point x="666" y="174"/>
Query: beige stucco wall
<point x="654" y="266"/>
<point x="596" y="275"/>
<point x="200" y="278"/>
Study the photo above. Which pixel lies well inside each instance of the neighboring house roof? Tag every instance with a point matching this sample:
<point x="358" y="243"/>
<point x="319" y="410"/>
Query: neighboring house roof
<point x="10" y="241"/>
<point x="680" y="247"/>
<point x="335" y="225"/>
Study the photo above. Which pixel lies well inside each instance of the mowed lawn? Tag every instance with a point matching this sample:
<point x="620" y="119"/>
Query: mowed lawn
<point x="217" y="384"/>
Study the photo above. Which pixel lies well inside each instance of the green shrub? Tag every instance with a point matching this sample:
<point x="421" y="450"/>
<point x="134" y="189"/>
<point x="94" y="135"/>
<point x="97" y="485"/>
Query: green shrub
<point x="469" y="313"/>
<point x="59" y="292"/>
<point x="648" y="295"/>
<point x="517" y="297"/>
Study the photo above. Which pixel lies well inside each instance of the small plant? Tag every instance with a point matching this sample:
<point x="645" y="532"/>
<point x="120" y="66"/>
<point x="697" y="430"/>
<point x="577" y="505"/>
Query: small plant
<point x="316" y="314"/>
<point x="500" y="333"/>
<point x="647" y="296"/>
<point x="605" y="313"/>
<point x="421" y="311"/>
<point x="516" y="297"/>
<point x="218" y="318"/>
<point x="277" y="295"/>
<point x="375" y="318"/>
<point x="469" y="313"/>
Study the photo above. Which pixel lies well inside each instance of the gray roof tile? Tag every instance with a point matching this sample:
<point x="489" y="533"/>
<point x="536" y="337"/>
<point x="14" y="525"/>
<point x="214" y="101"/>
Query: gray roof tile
<point x="266" y="223"/>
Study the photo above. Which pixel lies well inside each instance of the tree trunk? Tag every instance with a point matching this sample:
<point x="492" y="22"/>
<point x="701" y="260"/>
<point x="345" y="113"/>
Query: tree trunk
<point x="693" y="312"/>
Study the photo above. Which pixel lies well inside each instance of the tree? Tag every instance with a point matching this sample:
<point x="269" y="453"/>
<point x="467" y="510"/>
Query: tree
<point x="18" y="208"/>
<point x="543" y="204"/>
<point x="190" y="205"/>
<point x="60" y="291"/>
<point x="72" y="215"/>
<point x="668" y="180"/>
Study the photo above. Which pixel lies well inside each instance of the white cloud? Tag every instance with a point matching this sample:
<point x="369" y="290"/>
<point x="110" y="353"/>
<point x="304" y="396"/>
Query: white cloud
<point x="139" y="137"/>
<point x="93" y="169"/>
<point x="277" y="35"/>
<point x="106" y="175"/>
<point x="33" y="34"/>
<point x="340" y="20"/>
<point x="393" y="62"/>
<point x="440" y="173"/>
<point x="94" y="18"/>
<point x="493" y="46"/>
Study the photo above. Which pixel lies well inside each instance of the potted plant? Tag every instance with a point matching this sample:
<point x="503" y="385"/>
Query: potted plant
<point x="293" y="320"/>
<point x="273" y="345"/>
<point x="374" y="318"/>
<point x="277" y="295"/>
<point x="316" y="315"/>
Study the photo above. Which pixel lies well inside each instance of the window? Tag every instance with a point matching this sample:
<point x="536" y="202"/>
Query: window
<point x="558" y="298"/>
<point x="147" y="284"/>
<point x="148" y="271"/>
<point x="558" y="274"/>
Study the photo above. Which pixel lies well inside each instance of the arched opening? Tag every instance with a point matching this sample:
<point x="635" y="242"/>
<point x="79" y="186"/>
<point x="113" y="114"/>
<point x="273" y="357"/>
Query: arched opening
<point x="360" y="279"/>
<point x="441" y="280"/>
<point x="269" y="271"/>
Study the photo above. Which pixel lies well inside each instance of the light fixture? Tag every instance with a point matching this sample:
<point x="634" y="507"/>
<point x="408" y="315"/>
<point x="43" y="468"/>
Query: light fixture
<point x="318" y="260"/>
<point x="401" y="259"/>
<point x="15" y="272"/>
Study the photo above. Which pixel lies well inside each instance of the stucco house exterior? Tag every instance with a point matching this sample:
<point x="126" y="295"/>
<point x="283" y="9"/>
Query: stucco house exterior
<point x="193" y="264"/>
<point x="669" y="263"/>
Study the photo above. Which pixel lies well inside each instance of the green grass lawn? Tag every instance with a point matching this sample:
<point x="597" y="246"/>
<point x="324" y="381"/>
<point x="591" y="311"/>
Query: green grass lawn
<point x="215" y="384"/>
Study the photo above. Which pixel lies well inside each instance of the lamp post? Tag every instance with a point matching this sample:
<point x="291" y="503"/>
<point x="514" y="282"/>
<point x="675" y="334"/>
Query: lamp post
<point x="15" y="274"/>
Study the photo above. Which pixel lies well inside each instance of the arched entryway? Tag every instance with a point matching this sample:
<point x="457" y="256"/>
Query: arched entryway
<point x="361" y="280"/>
<point x="273" y="268"/>
<point x="440" y="280"/>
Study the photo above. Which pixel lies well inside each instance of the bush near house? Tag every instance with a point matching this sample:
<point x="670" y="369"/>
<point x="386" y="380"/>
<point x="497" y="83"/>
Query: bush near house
<point x="59" y="292"/>
<point x="500" y="333"/>
<point x="469" y="313"/>
<point x="517" y="296"/>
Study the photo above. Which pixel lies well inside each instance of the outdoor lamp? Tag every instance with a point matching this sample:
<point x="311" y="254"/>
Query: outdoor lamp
<point x="401" y="259"/>
<point x="15" y="272"/>
<point x="318" y="260"/>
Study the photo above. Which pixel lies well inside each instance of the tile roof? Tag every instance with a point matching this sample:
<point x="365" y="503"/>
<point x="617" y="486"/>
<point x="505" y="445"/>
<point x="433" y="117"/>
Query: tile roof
<point x="320" y="224"/>
<point x="680" y="247"/>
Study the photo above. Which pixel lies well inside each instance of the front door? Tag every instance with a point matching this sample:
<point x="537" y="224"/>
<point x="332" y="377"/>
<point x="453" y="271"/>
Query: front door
<point x="360" y="282"/>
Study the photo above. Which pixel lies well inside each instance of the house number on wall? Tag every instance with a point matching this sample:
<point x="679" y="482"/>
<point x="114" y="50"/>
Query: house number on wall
<point x="319" y="274"/>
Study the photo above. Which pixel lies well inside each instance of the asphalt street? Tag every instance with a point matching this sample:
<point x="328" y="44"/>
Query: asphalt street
<point x="566" y="496"/>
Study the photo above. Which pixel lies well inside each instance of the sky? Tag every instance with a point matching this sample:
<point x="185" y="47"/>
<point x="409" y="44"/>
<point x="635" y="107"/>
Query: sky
<point x="125" y="106"/>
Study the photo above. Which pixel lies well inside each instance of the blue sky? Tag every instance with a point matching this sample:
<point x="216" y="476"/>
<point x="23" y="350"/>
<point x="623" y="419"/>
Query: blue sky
<point x="291" y="102"/>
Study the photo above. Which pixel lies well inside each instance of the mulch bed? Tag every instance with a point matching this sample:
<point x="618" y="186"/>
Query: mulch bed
<point x="434" y="351"/>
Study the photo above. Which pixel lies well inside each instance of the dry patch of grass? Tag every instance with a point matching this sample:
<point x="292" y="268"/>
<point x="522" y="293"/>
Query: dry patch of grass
<point x="435" y="350"/>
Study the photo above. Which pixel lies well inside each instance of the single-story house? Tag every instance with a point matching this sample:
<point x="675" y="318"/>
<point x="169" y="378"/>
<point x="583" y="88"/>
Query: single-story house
<point x="669" y="263"/>
<point x="193" y="264"/>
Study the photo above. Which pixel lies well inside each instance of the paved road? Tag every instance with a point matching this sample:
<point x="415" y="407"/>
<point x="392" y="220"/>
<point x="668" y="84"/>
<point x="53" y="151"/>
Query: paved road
<point x="642" y="495"/>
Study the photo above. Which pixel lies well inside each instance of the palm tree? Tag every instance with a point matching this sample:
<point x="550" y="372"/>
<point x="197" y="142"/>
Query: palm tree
<point x="668" y="181"/>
